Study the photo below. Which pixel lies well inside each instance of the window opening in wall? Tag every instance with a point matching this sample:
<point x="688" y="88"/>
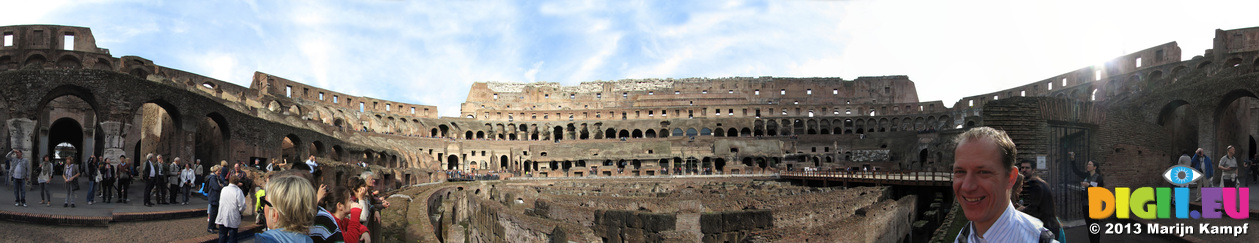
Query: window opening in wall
<point x="1050" y="86"/>
<point x="1064" y="82"/>
<point x="413" y="110"/>
<point x="690" y="114"/>
<point x="871" y="112"/>
<point x="664" y="112"/>
<point x="650" y="113"/>
<point x="362" y="106"/>
<point x="677" y="92"/>
<point x="572" y="96"/>
<point x="1138" y="62"/>
<point x="288" y="91"/>
<point x="387" y="107"/>
<point x="69" y="41"/>
<point x="496" y="96"/>
<point x="887" y="89"/>
<point x="8" y="38"/>
<point x="835" y="91"/>
<point x="784" y="112"/>
<point x="625" y="95"/>
<point x="1094" y="96"/>
<point x="1158" y="56"/>
<point x="847" y="102"/>
<point x="651" y="93"/>
<point x="704" y="92"/>
<point x="1023" y="93"/>
<point x="692" y="102"/>
<point x="836" y="112"/>
<point x="795" y="102"/>
<point x="320" y="95"/>
<point x="756" y="92"/>
<point x="547" y="96"/>
<point x="717" y="112"/>
<point x="730" y="92"/>
<point x="808" y="91"/>
<point x="994" y="97"/>
<point x="1097" y="75"/>
<point x="598" y="95"/>
<point x="971" y="103"/>
<point x="810" y="113"/>
<point x="782" y="92"/>
<point x="731" y="111"/>
<point x="847" y="111"/>
<point x="920" y="108"/>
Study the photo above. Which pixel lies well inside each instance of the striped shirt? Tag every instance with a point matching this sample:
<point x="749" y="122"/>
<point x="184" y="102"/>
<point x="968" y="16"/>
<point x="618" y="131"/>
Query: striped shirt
<point x="1011" y="226"/>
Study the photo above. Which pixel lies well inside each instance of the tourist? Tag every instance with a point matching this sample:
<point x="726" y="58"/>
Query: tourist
<point x="313" y="165"/>
<point x="125" y="173"/>
<point x="93" y="177"/>
<point x="983" y="174"/>
<point x="19" y="167"/>
<point x="1092" y="178"/>
<point x="45" y="176"/>
<point x="1202" y="163"/>
<point x="187" y="178"/>
<point x="287" y="209"/>
<point x="160" y="187"/>
<point x="108" y="176"/>
<point x="347" y="215"/>
<point x="325" y="228"/>
<point x="1039" y="200"/>
<point x="71" y="177"/>
<point x="173" y="173"/>
<point x="198" y="172"/>
<point x="231" y="204"/>
<point x="151" y="174"/>
<point x="213" y="184"/>
<point x="1228" y="168"/>
<point x="1254" y="170"/>
<point x="261" y="192"/>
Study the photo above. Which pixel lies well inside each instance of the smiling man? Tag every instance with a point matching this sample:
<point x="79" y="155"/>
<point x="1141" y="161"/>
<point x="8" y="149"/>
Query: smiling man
<point x="983" y="175"/>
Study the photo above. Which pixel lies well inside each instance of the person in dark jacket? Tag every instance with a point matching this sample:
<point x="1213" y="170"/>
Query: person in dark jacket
<point x="1038" y="200"/>
<point x="214" y="185"/>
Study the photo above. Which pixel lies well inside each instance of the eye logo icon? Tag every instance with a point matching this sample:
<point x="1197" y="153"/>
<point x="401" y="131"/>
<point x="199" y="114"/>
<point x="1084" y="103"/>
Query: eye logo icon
<point x="1181" y="175"/>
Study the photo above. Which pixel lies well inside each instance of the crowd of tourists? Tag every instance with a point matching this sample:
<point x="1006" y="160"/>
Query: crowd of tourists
<point x="290" y="200"/>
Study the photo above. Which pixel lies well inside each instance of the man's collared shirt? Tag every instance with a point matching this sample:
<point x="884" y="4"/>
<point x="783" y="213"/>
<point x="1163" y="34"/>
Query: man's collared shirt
<point x="1011" y="226"/>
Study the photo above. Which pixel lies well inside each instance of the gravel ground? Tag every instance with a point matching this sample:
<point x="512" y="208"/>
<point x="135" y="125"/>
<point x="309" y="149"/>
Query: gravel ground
<point x="150" y="231"/>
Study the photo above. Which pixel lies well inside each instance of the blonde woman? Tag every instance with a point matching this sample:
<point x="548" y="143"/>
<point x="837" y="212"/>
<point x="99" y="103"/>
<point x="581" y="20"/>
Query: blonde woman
<point x="287" y="207"/>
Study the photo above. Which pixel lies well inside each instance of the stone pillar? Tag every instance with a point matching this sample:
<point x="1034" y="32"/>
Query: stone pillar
<point x="20" y="136"/>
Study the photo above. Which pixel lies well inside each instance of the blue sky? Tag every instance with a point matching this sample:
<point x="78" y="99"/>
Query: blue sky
<point x="430" y="52"/>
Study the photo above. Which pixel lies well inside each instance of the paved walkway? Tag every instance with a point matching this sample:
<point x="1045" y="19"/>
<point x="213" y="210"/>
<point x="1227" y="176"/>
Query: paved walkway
<point x="99" y="214"/>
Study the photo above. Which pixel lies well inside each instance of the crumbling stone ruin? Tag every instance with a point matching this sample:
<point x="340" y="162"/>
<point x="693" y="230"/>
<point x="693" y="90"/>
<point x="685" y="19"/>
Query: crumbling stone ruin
<point x="1133" y="114"/>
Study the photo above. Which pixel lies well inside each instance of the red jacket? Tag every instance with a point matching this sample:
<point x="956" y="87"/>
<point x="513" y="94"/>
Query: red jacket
<point x="351" y="229"/>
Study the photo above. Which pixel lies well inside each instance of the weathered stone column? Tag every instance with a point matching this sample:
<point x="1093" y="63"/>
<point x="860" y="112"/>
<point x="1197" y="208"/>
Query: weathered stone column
<point x="20" y="136"/>
<point x="113" y="139"/>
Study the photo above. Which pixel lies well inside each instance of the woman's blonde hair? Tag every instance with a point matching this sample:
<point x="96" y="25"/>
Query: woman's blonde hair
<point x="294" y="197"/>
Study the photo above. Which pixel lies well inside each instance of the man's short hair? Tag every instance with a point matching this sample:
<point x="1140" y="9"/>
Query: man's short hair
<point x="998" y="138"/>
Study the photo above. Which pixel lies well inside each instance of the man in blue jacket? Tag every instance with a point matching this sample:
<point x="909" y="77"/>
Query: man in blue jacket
<point x="1203" y="164"/>
<point x="214" y="184"/>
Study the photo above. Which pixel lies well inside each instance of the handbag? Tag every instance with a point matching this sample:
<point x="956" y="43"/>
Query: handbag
<point x="74" y="184"/>
<point x="98" y="177"/>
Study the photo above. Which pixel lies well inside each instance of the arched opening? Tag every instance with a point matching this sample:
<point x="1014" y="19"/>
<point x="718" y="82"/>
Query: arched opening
<point x="610" y="133"/>
<point x="337" y="152"/>
<point x="623" y="134"/>
<point x="502" y="162"/>
<point x="558" y="133"/>
<point x="288" y="148"/>
<point x="719" y="165"/>
<point x="745" y="132"/>
<point x="452" y="162"/>
<point x="211" y="140"/>
<point x="922" y="158"/>
<point x="650" y="133"/>
<point x="732" y="132"/>
<point x="480" y="135"/>
<point x="316" y="148"/>
<point x="1234" y="120"/>
<point x="719" y="132"/>
<point x="467" y="135"/>
<point x="636" y="134"/>
<point x="65" y="138"/>
<point x="677" y="132"/>
<point x="159" y="129"/>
